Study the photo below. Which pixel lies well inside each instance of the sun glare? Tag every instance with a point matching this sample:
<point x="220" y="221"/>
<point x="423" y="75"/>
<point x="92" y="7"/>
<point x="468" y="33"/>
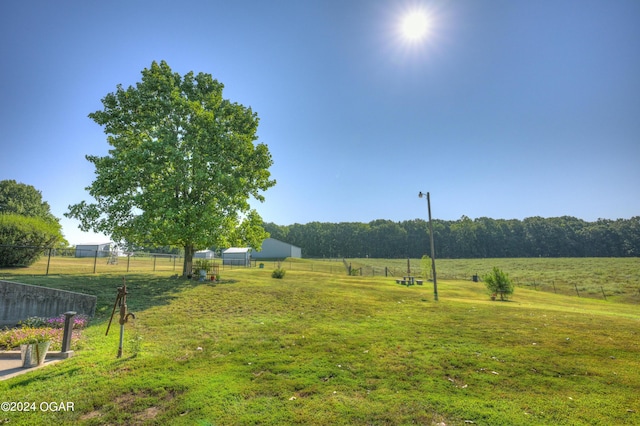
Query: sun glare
<point x="415" y="25"/>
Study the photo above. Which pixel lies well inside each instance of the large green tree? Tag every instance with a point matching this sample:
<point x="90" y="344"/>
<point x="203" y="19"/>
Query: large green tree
<point x="24" y="200"/>
<point x="182" y="168"/>
<point x="23" y="238"/>
<point x="27" y="225"/>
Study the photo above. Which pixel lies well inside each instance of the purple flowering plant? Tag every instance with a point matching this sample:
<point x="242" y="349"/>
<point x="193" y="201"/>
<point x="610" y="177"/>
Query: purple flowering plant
<point x="36" y="329"/>
<point x="79" y="321"/>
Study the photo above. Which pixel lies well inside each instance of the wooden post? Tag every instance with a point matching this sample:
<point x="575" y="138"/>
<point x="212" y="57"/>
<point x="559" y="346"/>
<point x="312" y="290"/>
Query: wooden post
<point x="576" y="286"/>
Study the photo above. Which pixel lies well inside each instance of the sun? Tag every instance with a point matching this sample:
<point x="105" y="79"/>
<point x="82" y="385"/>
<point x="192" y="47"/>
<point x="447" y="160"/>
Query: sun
<point x="414" y="25"/>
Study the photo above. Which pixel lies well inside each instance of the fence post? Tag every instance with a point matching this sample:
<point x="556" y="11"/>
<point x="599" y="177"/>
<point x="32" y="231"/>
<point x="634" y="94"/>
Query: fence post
<point x="68" y="331"/>
<point x="386" y="271"/>
<point x="95" y="261"/>
<point x="605" y="296"/>
<point x="576" y="286"/>
<point x="128" y="260"/>
<point x="154" y="262"/>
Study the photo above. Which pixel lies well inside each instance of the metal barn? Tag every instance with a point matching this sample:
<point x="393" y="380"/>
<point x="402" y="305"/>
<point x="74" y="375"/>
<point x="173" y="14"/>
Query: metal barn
<point x="204" y="254"/>
<point x="237" y="256"/>
<point x="93" y="250"/>
<point x="276" y="249"/>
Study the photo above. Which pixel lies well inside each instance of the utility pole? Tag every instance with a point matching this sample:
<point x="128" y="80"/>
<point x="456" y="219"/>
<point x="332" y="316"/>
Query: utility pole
<point x="433" y="253"/>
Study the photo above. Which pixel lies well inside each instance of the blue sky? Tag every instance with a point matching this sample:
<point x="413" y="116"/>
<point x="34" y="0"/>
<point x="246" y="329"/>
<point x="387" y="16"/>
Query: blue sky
<point x="507" y="109"/>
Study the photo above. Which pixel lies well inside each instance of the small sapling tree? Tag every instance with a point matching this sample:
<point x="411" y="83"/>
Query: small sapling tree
<point x="425" y="265"/>
<point x="498" y="282"/>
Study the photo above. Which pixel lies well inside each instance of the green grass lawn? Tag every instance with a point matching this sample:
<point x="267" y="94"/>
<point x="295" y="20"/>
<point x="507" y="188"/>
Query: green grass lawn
<point x="616" y="279"/>
<point x="321" y="348"/>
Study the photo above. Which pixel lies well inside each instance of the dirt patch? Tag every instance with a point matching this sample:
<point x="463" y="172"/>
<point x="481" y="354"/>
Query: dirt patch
<point x="132" y="402"/>
<point x="148" y="414"/>
<point x="92" y="415"/>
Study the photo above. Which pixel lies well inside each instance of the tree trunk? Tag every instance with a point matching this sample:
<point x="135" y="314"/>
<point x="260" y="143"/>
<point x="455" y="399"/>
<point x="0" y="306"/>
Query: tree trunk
<point x="188" y="261"/>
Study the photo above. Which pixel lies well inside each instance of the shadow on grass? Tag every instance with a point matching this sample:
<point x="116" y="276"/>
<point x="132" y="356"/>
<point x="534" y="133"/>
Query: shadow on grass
<point x="143" y="291"/>
<point x="51" y="374"/>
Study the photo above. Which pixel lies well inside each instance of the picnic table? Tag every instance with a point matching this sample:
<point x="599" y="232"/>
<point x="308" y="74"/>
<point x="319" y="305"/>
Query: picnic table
<point x="409" y="280"/>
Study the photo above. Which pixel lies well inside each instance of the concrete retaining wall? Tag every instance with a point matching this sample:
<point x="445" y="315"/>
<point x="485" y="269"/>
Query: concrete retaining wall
<point x="20" y="301"/>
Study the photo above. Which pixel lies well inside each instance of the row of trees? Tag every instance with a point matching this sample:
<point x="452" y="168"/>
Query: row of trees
<point x="466" y="238"/>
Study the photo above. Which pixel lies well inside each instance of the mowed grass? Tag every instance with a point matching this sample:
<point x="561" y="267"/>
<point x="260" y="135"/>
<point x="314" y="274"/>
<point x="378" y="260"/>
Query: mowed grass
<point x="615" y="279"/>
<point x="56" y="265"/>
<point x="317" y="348"/>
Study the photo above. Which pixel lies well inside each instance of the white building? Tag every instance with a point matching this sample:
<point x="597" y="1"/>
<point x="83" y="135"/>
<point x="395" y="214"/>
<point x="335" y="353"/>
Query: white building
<point x="276" y="249"/>
<point x="237" y="256"/>
<point x="93" y="249"/>
<point x="204" y="254"/>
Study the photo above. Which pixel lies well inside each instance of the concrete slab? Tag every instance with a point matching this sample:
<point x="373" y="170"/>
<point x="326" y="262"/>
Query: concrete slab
<point x="11" y="363"/>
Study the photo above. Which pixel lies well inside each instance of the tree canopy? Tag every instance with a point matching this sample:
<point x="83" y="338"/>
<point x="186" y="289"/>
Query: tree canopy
<point x="182" y="167"/>
<point x="27" y="225"/>
<point x="23" y="238"/>
<point x="24" y="200"/>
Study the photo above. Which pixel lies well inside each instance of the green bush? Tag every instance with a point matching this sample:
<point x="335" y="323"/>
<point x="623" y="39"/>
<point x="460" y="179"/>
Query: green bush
<point x="498" y="282"/>
<point x="200" y="264"/>
<point x="23" y="239"/>
<point x="278" y="273"/>
<point x="33" y="322"/>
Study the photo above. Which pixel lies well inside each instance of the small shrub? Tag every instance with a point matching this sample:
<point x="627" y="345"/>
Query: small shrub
<point x="201" y="264"/>
<point x="498" y="282"/>
<point x="278" y="273"/>
<point x="33" y="322"/>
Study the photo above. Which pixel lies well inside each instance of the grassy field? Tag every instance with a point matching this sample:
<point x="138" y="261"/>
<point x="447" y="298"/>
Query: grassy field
<point x="321" y="348"/>
<point x="616" y="279"/>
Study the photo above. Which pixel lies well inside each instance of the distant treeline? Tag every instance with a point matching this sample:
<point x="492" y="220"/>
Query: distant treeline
<point x="466" y="238"/>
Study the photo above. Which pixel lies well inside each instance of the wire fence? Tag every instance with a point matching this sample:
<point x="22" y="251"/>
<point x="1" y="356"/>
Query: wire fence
<point x="58" y="261"/>
<point x="86" y="261"/>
